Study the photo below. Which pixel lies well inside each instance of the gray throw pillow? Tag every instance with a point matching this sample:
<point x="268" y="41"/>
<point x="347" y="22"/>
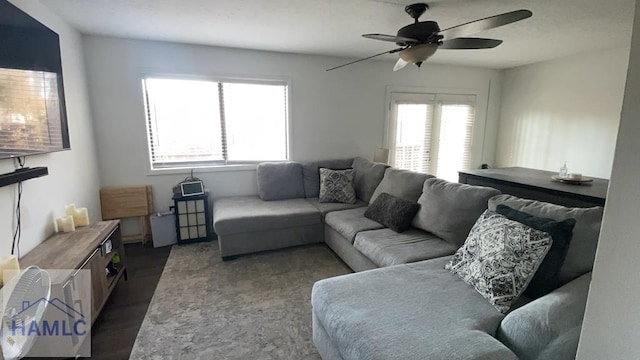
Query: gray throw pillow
<point x="449" y="210"/>
<point x="311" y="173"/>
<point x="368" y="177"/>
<point x="279" y="180"/>
<point x="582" y="249"/>
<point x="499" y="258"/>
<point x="337" y="186"/>
<point x="392" y="212"/>
<point x="404" y="184"/>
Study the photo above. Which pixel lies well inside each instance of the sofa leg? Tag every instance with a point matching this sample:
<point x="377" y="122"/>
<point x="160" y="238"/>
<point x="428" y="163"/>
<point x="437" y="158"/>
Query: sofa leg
<point x="229" y="258"/>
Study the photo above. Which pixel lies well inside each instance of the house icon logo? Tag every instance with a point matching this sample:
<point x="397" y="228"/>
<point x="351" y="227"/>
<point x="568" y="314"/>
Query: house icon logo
<point x="62" y="320"/>
<point x="55" y="303"/>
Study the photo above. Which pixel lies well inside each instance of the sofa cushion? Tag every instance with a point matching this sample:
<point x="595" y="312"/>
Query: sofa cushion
<point x="368" y="177"/>
<point x="449" y="210"/>
<point x="326" y="208"/>
<point x="392" y="212"/>
<point x="404" y="184"/>
<point x="235" y="215"/>
<point x="549" y="327"/>
<point x="350" y="222"/>
<point x="582" y="250"/>
<point x="279" y="180"/>
<point x="500" y="258"/>
<point x="386" y="247"/>
<point x="337" y="186"/>
<point x="411" y="311"/>
<point x="311" y="174"/>
<point x="546" y="278"/>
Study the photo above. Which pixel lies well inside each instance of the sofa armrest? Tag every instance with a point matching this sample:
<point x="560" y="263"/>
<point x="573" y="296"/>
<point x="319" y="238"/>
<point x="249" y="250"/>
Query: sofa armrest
<point x="549" y="327"/>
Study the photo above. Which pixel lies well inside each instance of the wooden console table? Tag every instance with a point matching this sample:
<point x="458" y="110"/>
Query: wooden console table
<point x="537" y="185"/>
<point x="84" y="249"/>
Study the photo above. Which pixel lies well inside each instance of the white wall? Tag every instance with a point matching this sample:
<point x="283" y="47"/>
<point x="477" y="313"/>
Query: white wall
<point x="612" y="318"/>
<point x="566" y="109"/>
<point x="73" y="175"/>
<point x="334" y="114"/>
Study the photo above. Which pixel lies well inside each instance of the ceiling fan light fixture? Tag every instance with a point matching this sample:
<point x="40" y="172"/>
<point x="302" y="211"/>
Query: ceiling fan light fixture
<point x="419" y="53"/>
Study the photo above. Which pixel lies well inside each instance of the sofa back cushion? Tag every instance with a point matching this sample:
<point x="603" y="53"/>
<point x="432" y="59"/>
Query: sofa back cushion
<point x="311" y="174"/>
<point x="403" y="184"/>
<point x="280" y="180"/>
<point x="582" y="249"/>
<point x="549" y="327"/>
<point x="449" y="210"/>
<point x="368" y="177"/>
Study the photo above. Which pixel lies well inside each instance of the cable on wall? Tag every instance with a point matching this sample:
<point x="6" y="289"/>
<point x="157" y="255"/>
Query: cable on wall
<point x="15" y="245"/>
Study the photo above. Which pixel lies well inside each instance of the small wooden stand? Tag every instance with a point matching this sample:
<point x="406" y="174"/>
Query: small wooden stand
<point x="129" y="201"/>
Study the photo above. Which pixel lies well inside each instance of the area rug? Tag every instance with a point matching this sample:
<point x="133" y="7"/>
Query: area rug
<point x="255" y="307"/>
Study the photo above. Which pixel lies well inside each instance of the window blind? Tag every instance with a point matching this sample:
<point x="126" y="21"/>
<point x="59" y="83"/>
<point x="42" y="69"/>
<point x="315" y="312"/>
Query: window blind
<point x="204" y="122"/>
<point x="432" y="133"/>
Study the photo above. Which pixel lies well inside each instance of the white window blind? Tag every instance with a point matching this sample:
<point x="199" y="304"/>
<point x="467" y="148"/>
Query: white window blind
<point x="432" y="133"/>
<point x="202" y="122"/>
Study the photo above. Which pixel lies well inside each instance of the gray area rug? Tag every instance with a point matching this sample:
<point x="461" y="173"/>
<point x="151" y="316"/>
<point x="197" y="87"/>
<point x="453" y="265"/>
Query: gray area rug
<point x="255" y="307"/>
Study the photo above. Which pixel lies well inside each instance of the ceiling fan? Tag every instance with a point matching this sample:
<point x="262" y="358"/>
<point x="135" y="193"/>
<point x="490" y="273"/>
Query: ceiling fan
<point x="420" y="40"/>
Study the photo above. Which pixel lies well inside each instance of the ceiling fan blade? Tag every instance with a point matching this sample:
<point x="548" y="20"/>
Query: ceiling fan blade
<point x="400" y="64"/>
<point x="470" y="43"/>
<point x="367" y="58"/>
<point x="400" y="40"/>
<point x="484" y="24"/>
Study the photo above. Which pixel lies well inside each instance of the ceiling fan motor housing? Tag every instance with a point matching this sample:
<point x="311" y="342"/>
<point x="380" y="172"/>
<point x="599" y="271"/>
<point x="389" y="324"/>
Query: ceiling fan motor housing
<point x="422" y="31"/>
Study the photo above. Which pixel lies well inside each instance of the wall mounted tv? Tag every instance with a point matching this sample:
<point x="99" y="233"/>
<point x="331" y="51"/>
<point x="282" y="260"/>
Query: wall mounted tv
<point x="33" y="118"/>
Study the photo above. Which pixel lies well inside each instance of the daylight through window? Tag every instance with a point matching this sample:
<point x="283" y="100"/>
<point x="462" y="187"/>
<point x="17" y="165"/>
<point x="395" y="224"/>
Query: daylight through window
<point x="432" y="133"/>
<point x="202" y="122"/>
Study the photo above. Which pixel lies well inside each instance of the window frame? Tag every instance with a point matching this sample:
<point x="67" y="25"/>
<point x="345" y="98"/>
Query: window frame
<point x="216" y="165"/>
<point x="478" y="132"/>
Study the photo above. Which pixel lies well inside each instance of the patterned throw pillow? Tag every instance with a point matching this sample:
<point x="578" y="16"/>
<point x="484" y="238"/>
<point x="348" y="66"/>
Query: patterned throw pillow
<point x="337" y="186"/>
<point x="499" y="258"/>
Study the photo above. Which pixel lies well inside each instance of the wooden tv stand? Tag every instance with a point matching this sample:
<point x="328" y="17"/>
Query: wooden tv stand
<point x="84" y="249"/>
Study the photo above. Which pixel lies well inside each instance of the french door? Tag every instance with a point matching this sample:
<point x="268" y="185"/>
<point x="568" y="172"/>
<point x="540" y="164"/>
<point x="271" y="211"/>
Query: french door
<point x="431" y="133"/>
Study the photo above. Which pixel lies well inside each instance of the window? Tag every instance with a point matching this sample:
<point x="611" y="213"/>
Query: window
<point x="431" y="133"/>
<point x="203" y="122"/>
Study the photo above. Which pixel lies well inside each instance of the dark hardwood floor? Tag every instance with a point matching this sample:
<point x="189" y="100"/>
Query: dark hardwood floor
<point x="116" y="328"/>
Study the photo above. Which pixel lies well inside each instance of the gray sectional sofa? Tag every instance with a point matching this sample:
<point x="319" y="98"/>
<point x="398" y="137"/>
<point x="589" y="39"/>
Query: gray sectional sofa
<point x="408" y="306"/>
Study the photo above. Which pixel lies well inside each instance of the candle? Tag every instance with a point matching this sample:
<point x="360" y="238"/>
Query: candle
<point x="80" y="215"/>
<point x="9" y="268"/>
<point x="65" y="224"/>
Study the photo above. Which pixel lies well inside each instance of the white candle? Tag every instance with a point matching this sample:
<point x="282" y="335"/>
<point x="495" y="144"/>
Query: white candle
<point x="81" y="217"/>
<point x="66" y="224"/>
<point x="70" y="209"/>
<point x="9" y="268"/>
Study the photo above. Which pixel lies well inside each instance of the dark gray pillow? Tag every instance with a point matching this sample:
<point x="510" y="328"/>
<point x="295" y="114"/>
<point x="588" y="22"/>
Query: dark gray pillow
<point x="368" y="177"/>
<point x="582" y="250"/>
<point x="311" y="175"/>
<point x="449" y="210"/>
<point x="336" y="186"/>
<point x="279" y="180"/>
<point x="392" y="212"/>
<point x="546" y="278"/>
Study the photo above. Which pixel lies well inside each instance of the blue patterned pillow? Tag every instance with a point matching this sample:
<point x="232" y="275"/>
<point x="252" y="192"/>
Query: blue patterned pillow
<point x="337" y="186"/>
<point x="499" y="258"/>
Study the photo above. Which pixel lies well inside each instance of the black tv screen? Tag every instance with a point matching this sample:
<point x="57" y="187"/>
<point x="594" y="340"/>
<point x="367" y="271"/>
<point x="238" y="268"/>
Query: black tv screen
<point x="32" y="108"/>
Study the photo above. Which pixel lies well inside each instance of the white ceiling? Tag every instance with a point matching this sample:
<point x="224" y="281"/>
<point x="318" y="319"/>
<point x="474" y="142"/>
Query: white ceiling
<point x="333" y="27"/>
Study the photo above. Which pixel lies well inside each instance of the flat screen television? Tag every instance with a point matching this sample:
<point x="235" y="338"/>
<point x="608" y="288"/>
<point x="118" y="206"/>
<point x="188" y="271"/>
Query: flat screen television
<point x="33" y="118"/>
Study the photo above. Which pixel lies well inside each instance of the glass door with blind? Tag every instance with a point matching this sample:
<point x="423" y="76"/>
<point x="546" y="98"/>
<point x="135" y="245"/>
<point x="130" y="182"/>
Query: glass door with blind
<point x="431" y="133"/>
